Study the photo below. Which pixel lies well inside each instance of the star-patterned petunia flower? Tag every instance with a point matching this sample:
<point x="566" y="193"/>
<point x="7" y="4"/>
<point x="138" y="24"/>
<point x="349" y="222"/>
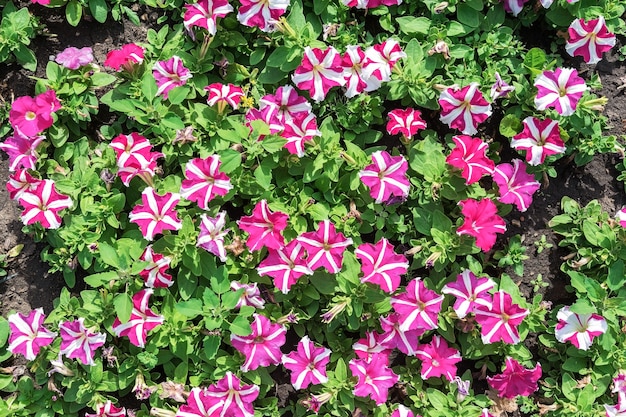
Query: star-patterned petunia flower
<point x="262" y="346"/>
<point x="264" y="227"/>
<point x="560" y="89"/>
<point x="285" y="266"/>
<point x="464" y="108"/>
<point x="307" y="364"/>
<point x="319" y="71"/>
<point x="418" y="307"/>
<point x="156" y="214"/>
<point x="579" y="329"/>
<point x="381" y="265"/>
<point x="499" y="323"/>
<point x="79" y="342"/>
<point x="28" y="335"/>
<point x="142" y="320"/>
<point x="211" y="237"/>
<point x="386" y="177"/>
<point x="589" y="39"/>
<point x="374" y="378"/>
<point x="204" y="181"/>
<point x="470" y="292"/>
<point x="325" y="247"/>
<point x="438" y="359"/>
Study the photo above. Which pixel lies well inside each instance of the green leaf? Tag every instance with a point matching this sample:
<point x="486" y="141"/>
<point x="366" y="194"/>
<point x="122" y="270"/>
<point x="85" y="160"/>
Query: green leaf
<point x="100" y="279"/>
<point x="437" y="399"/>
<point x="180" y="373"/>
<point x="187" y="283"/>
<point x="99" y="10"/>
<point x="273" y="143"/>
<point x="412" y="25"/>
<point x="263" y="173"/>
<point x="535" y="59"/>
<point x="108" y="255"/>
<point x="25" y="57"/>
<point x="510" y="125"/>
<point x="73" y="12"/>
<point x="123" y="306"/>
<point x="178" y="94"/>
<point x="616" y="278"/>
<point x="574" y="364"/>
<point x="100" y="79"/>
<point x="240" y="326"/>
<point x="457" y="29"/>
<point x="341" y="371"/>
<point x="211" y="345"/>
<point x="468" y="16"/>
<point x="231" y="160"/>
<point x="190" y="308"/>
<point x="4" y="330"/>
<point x="568" y="386"/>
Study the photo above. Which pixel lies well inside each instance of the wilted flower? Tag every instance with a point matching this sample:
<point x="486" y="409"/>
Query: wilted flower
<point x="441" y="47"/>
<point x="173" y="390"/>
<point x="500" y="88"/>
<point x="515" y="379"/>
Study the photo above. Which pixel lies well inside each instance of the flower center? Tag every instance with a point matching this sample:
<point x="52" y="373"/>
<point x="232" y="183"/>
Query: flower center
<point x="259" y="339"/>
<point x="30" y="115"/>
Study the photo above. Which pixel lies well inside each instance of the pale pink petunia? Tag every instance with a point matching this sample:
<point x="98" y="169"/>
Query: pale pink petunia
<point x="298" y="130"/>
<point x="406" y="122"/>
<point x="74" y="58"/>
<point x="470" y="292"/>
<point x="21" y="182"/>
<point x="156" y="214"/>
<point x="204" y="14"/>
<point x="285" y="266"/>
<point x="374" y="378"/>
<point x="142" y="320"/>
<point x="261" y="13"/>
<point x="369" y="345"/>
<point x="464" y="108"/>
<point x="589" y="39"/>
<point x="262" y="346"/>
<point x="154" y="274"/>
<point x="381" y="265"/>
<point x="515" y="379"/>
<point x="418" y="307"/>
<point x="499" y="323"/>
<point x="223" y="94"/>
<point x="500" y="88"/>
<point x="579" y="329"/>
<point x="470" y="156"/>
<point x="264" y="227"/>
<point x="43" y="204"/>
<point x="481" y="221"/>
<point x="204" y="181"/>
<point x="251" y="295"/>
<point x="515" y="185"/>
<point x="236" y="399"/>
<point x="286" y="102"/>
<point x="79" y="342"/>
<point x="22" y="150"/>
<point x="307" y="364"/>
<point x="438" y="359"/>
<point x="325" y="247"/>
<point x="386" y="177"/>
<point x="393" y="337"/>
<point x="170" y="74"/>
<point x="108" y="410"/>
<point x="560" y="89"/>
<point x="539" y="138"/>
<point x="127" y="58"/>
<point x="28" y="335"/>
<point x="211" y="237"/>
<point x="319" y="71"/>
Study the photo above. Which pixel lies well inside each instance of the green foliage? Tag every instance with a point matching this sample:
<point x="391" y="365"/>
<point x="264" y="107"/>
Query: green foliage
<point x="17" y="28"/>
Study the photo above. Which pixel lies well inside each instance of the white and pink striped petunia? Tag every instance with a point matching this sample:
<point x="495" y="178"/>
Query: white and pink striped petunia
<point x="539" y="138"/>
<point x="169" y="75"/>
<point x="108" y="410"/>
<point x="204" y="14"/>
<point x="43" y="204"/>
<point x="381" y="265"/>
<point x="325" y="247"/>
<point x="319" y="71"/>
<point x="261" y="13"/>
<point x="406" y="122"/>
<point x="579" y="329"/>
<point x="515" y="185"/>
<point x="352" y="63"/>
<point x="374" y="378"/>
<point x="156" y="214"/>
<point x="285" y="266"/>
<point x="287" y="103"/>
<point x="211" y="237"/>
<point x="264" y="227"/>
<point x="298" y="130"/>
<point x="589" y="39"/>
<point x="22" y="150"/>
<point x="560" y="89"/>
<point x="235" y="399"/>
<point x="28" y="335"/>
<point x="154" y="274"/>
<point x="470" y="292"/>
<point x="251" y="295"/>
<point x="438" y="359"/>
<point x="369" y="345"/>
<point x="78" y="342"/>
<point x="386" y="177"/>
<point x="20" y="182"/>
<point x="204" y="181"/>
<point x="380" y="59"/>
<point x="514" y="6"/>
<point x="499" y="323"/>
<point x="307" y="364"/>
<point x="262" y="346"/>
<point x="142" y="320"/>
<point x="417" y="307"/>
<point x="223" y="94"/>
<point x="393" y="337"/>
<point x="470" y="156"/>
<point x="464" y="108"/>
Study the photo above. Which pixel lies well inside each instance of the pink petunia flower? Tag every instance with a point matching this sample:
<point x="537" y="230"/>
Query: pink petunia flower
<point x="589" y="39"/>
<point x="139" y="167"/>
<point x="314" y="402"/>
<point x="319" y="71"/>
<point x="618" y="410"/>
<point x="370" y="4"/>
<point x="43" y="204"/>
<point x="619" y="387"/>
<point x="307" y="364"/>
<point x="261" y="13"/>
<point x="470" y="156"/>
<point x="379" y="61"/>
<point x="285" y="266"/>
<point x="133" y="147"/>
<point x="204" y="14"/>
<point x="369" y="345"/>
<point x="499" y="323"/>
<point x="48" y="101"/>
<point x="211" y="237"/>
<point x="286" y="102"/>
<point x="515" y="379"/>
<point x="481" y="221"/>
<point x="21" y="182"/>
<point x="386" y="177"/>
<point x="438" y="359"/>
<point x="514" y="6"/>
<point x="28" y="335"/>
<point x="406" y="341"/>
<point x="223" y="94"/>
<point x="267" y="115"/>
<point x="325" y="247"/>
<point x="262" y="346"/>
<point x="74" y="58"/>
<point x="126" y="58"/>
<point x="142" y="320"/>
<point x="579" y="329"/>
<point x="156" y="214"/>
<point x="30" y="116"/>
<point x="298" y="130"/>
<point x="22" y="150"/>
<point x="236" y="399"/>
<point x="464" y="108"/>
<point x="515" y="185"/>
<point x="381" y="265"/>
<point x="403" y="411"/>
<point x="406" y="122"/>
<point x="264" y="227"/>
<point x="356" y="82"/>
<point x="560" y="89"/>
<point x="108" y="410"/>
<point x="470" y="292"/>
<point x="78" y="342"/>
<point x="169" y="75"/>
<point x="374" y="378"/>
<point x="251" y="295"/>
<point x="500" y="88"/>
<point x="418" y="307"/>
<point x="620" y="216"/>
<point x="204" y="181"/>
<point x="539" y="139"/>
<point x="154" y="274"/>
<point x="200" y="404"/>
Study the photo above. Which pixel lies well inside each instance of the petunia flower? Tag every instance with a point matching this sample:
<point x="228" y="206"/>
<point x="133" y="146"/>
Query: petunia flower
<point x="264" y="227"/>
<point x="267" y="115"/>
<point x="29" y="116"/>
<point x="307" y="364"/>
<point x="211" y="237"/>
<point x="515" y="185"/>
<point x="381" y="265"/>
<point x="325" y="247"/>
<point x="481" y="221"/>
<point x="464" y="108"/>
<point x="403" y="411"/>
<point x="356" y="82"/>
<point x="314" y="402"/>
<point x="386" y="177"/>
<point x="369" y="345"/>
<point x="204" y="181"/>
<point x="380" y="59"/>
<point x="261" y="13"/>
<point x="438" y="359"/>
<point x="319" y="71"/>
<point x="470" y="156"/>
<point x="200" y="404"/>
<point x="620" y="216"/>
<point x="418" y="307"/>
<point x="108" y="410"/>
<point x="133" y="147"/>
<point x="154" y="274"/>
<point x="236" y="399"/>
<point x="286" y="102"/>
<point x="251" y="295"/>
<point x="500" y="88"/>
<point x="618" y="410"/>
<point x="619" y="387"/>
<point x="74" y="58"/>
<point x="204" y="14"/>
<point x="589" y="39"/>
<point x="28" y="335"/>
<point x="393" y="337"/>
<point x="499" y="323"/>
<point x="156" y="214"/>
<point x="126" y="58"/>
<point x="579" y="329"/>
<point x="370" y="4"/>
<point x="169" y="75"/>
<point x="298" y="130"/>
<point x="78" y="342"/>
<point x="262" y="346"/>
<point x="470" y="292"/>
<point x="22" y="150"/>
<point x="21" y="182"/>
<point x="285" y="265"/>
<point x="560" y="89"/>
<point x="142" y="320"/>
<point x="514" y="6"/>
<point x="140" y="167"/>
<point x="374" y="378"/>
<point x="43" y="204"/>
<point x="539" y="139"/>
<point x="515" y="379"/>
<point x="406" y="122"/>
<point x="222" y="94"/>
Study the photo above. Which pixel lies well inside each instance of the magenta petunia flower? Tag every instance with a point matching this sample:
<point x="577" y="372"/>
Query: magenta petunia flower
<point x="386" y="177"/>
<point x="579" y="329"/>
<point x="319" y="71"/>
<point x="77" y="342"/>
<point x="406" y="122"/>
<point x="129" y="148"/>
<point x="370" y="4"/>
<point x="285" y="266"/>
<point x="381" y="265"/>
<point x="374" y="378"/>
<point x="539" y="139"/>
<point x="515" y="185"/>
<point x="618" y="410"/>
<point x="268" y="115"/>
<point x="261" y="13"/>
<point x="264" y="227"/>
<point x="204" y="14"/>
<point x="499" y="323"/>
<point x="28" y="335"/>
<point x="108" y="410"/>
<point x="223" y="94"/>
<point x="403" y="411"/>
<point x="515" y="379"/>
<point x="74" y="58"/>
<point x="619" y="387"/>
<point x="251" y="295"/>
<point x="379" y="61"/>
<point x="481" y="221"/>
<point x="589" y="39"/>
<point x="287" y="103"/>
<point x="620" y="216"/>
<point x="156" y="214"/>
<point x="369" y="345"/>
<point x="393" y="337"/>
<point x="236" y="399"/>
<point x="204" y="181"/>
<point x="30" y="116"/>
<point x="142" y="320"/>
<point x="43" y="204"/>
<point x="154" y="274"/>
<point x="307" y="364"/>
<point x="418" y="307"/>
<point x="560" y="89"/>
<point x="298" y="130"/>
<point x="352" y="63"/>
<point x="21" y="182"/>
<point x="500" y="88"/>
<point x="169" y="75"/>
<point x="211" y="237"/>
<point x="139" y="167"/>
<point x="470" y="156"/>
<point x="514" y="6"/>
<point x="438" y="359"/>
<point x="262" y="346"/>
<point x="470" y="292"/>
<point x="464" y="108"/>
<point x="22" y="150"/>
<point x="126" y="58"/>
<point x="325" y="247"/>
<point x="200" y="404"/>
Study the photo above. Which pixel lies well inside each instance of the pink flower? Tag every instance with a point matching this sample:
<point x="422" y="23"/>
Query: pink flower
<point x="156" y="214"/>
<point x="470" y="156"/>
<point x="298" y="130"/>
<point x="200" y="404"/>
<point x="142" y="168"/>
<point x="236" y="400"/>
<point x="204" y="14"/>
<point x="325" y="247"/>
<point x="539" y="139"/>
<point x="515" y="379"/>
<point x="307" y="364"/>
<point x="251" y="296"/>
<point x="264" y="227"/>
<point x="262" y="346"/>
<point x="222" y="94"/>
<point x="403" y="411"/>
<point x="470" y="292"/>
<point x="287" y="103"/>
<point x="30" y="116"/>
<point x="369" y="345"/>
<point x="619" y="387"/>
<point x="142" y="320"/>
<point x="499" y="323"/>
<point x="559" y="89"/>
<point x="578" y="329"/>
<point x="500" y="88"/>
<point x="515" y="185"/>
<point x="380" y="60"/>
<point x="154" y="274"/>
<point x="621" y="216"/>
<point x="381" y="265"/>
<point x="514" y="6"/>
<point x="315" y="402"/>
<point x="108" y="410"/>
<point x="204" y="181"/>
<point x="374" y="378"/>
<point x="618" y="410"/>
<point x="406" y="122"/>
<point x="22" y="150"/>
<point x="267" y="115"/>
<point x="48" y="101"/>
<point x="386" y="177"/>
<point x="481" y="221"/>
<point x="438" y="359"/>
<point x="28" y="335"/>
<point x="319" y="71"/>
<point x="42" y="2"/>
<point x="589" y="39"/>
<point x="129" y="148"/>
<point x="261" y="13"/>
<point x="21" y="182"/>
<point x="370" y="4"/>
<point x="78" y="342"/>
<point x="418" y="307"/>
<point x="125" y="58"/>
<point x="464" y="108"/>
<point x="43" y="204"/>
<point x="211" y="237"/>
<point x="393" y="337"/>
<point x="169" y="75"/>
<point x="285" y="265"/>
<point x="356" y="82"/>
<point x="74" y="58"/>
